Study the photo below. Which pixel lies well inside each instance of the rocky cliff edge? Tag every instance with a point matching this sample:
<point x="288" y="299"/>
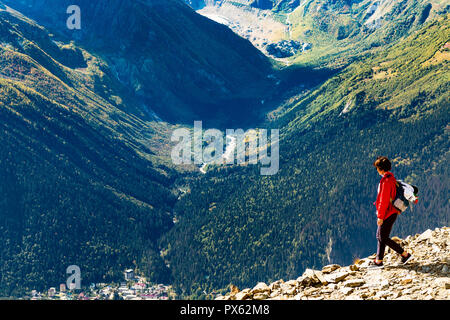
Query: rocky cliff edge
<point x="426" y="276"/>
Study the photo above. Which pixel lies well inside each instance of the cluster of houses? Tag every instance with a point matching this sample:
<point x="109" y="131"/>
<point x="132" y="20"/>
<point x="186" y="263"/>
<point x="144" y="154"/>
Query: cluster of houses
<point x="132" y="288"/>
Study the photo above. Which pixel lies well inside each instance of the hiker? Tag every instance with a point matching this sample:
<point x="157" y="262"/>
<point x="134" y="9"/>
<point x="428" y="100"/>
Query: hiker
<point x="386" y="213"/>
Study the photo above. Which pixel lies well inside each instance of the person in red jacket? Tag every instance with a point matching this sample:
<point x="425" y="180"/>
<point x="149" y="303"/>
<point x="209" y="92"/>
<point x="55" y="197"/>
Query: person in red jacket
<point x="386" y="212"/>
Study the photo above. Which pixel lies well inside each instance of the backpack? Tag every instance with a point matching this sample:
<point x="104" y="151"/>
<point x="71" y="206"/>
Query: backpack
<point x="406" y="194"/>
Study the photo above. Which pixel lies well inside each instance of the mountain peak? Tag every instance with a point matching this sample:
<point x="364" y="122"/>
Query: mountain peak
<point x="425" y="277"/>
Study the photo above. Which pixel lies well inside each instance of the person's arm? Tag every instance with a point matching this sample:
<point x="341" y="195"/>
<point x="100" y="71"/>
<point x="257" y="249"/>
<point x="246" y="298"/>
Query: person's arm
<point x="385" y="200"/>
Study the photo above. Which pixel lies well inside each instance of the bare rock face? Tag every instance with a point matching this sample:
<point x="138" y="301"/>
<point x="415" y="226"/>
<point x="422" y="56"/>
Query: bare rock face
<point x="425" y="277"/>
<point x="284" y="48"/>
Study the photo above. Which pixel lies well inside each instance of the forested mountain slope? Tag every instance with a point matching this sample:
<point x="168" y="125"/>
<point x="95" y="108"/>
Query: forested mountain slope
<point x="85" y="154"/>
<point x="179" y="64"/>
<point x="239" y="227"/>
<point x="81" y="180"/>
<point x="341" y="31"/>
<point x="336" y="32"/>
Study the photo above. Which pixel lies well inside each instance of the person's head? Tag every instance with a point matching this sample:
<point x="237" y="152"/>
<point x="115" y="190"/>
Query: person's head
<point x="383" y="165"/>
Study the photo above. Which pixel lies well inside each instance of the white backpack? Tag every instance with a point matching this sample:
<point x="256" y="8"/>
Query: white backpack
<point x="406" y="195"/>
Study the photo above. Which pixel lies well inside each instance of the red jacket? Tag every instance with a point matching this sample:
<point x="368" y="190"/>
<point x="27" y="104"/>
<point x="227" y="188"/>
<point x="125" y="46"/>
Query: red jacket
<point x="386" y="194"/>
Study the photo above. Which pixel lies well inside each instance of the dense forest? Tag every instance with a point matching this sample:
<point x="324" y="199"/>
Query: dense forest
<point x="48" y="155"/>
<point x="80" y="180"/>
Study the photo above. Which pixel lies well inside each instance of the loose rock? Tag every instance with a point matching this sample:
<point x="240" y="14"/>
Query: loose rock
<point x="425" y="277"/>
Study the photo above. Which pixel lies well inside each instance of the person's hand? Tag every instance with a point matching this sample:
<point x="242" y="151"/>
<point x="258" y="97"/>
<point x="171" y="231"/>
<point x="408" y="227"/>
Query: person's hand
<point x="380" y="222"/>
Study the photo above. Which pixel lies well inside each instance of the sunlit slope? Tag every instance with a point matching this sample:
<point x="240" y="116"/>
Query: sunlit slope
<point x="341" y="31"/>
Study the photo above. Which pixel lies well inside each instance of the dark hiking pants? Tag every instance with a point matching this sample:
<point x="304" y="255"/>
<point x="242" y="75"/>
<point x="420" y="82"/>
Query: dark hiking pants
<point x="383" y="232"/>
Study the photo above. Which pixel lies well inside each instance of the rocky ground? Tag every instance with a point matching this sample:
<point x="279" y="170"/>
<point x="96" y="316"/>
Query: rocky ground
<point x="425" y="277"/>
<point x="258" y="26"/>
<point x="267" y="33"/>
<point x="286" y="48"/>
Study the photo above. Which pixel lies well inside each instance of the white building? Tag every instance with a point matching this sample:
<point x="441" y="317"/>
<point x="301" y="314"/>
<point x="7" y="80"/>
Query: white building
<point x="129" y="274"/>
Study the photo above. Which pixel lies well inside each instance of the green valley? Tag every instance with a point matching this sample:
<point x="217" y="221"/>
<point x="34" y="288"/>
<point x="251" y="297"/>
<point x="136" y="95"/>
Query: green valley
<point x="86" y="118"/>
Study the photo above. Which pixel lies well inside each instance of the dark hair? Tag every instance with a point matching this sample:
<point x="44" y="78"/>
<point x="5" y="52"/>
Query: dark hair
<point x="383" y="163"/>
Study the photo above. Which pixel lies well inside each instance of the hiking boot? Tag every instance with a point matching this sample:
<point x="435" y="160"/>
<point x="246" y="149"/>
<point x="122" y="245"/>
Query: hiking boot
<point x="406" y="259"/>
<point x="374" y="265"/>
